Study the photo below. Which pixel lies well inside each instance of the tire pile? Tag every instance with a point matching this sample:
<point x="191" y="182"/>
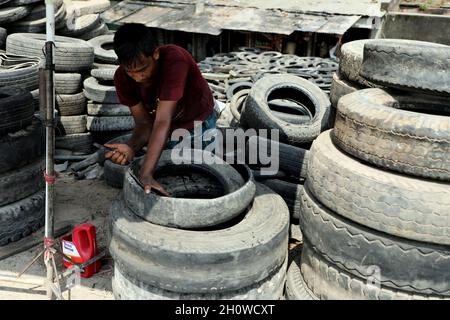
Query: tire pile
<point x="375" y="207"/>
<point x="220" y="235"/>
<point x="107" y="118"/>
<point x="228" y="73"/>
<point x="73" y="58"/>
<point x="22" y="146"/>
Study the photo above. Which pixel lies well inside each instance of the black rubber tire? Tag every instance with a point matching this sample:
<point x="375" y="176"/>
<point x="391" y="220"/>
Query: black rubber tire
<point x="290" y="192"/>
<point x="203" y="261"/>
<point x="415" y="143"/>
<point x="185" y="212"/>
<point x="296" y="288"/>
<point x="71" y="55"/>
<point x="37" y="25"/>
<point x="100" y="93"/>
<point x="354" y="248"/>
<point x="38" y="11"/>
<point x="22" y="147"/>
<point x="258" y="115"/>
<point x="81" y="25"/>
<point x="74" y="124"/>
<point x="71" y="104"/>
<point x="408" y="65"/>
<point x="16" y="109"/>
<point x="102" y="29"/>
<point x="126" y="288"/>
<point x="21" y="183"/>
<point x="103" y="55"/>
<point x="11" y="14"/>
<point x="25" y="77"/>
<point x="79" y="142"/>
<point x="236" y="87"/>
<point x="292" y="160"/>
<point x="351" y="60"/>
<point x="22" y="2"/>
<point x="21" y="218"/>
<point x="118" y="123"/>
<point x="67" y="83"/>
<point x="328" y="282"/>
<point x="3" y="35"/>
<point x="399" y="205"/>
<point x="340" y="88"/>
<point x="107" y="110"/>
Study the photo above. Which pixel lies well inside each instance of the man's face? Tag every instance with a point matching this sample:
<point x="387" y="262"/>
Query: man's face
<point x="144" y="69"/>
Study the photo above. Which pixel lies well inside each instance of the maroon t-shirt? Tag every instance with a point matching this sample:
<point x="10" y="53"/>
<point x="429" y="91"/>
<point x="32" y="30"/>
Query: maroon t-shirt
<point x="178" y="79"/>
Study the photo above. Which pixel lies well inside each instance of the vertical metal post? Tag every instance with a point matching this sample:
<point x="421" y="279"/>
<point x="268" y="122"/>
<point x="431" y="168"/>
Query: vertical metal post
<point x="50" y="136"/>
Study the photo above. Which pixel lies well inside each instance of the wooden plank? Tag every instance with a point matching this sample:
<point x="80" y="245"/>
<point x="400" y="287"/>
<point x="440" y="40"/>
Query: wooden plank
<point x="34" y="239"/>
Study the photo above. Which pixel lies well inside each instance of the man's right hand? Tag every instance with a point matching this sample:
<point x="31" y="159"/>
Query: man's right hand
<point x="122" y="153"/>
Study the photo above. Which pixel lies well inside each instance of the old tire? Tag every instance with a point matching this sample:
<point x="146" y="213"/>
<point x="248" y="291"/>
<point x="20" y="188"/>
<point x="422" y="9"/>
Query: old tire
<point x="328" y="282"/>
<point x="96" y="91"/>
<point x="195" y="212"/>
<point x="107" y="109"/>
<point x="399" y="205"/>
<point x="113" y="123"/>
<point x="415" y="143"/>
<point x="21" y="218"/>
<point x="103" y="55"/>
<point x="22" y="147"/>
<point x="74" y="124"/>
<point x="290" y="192"/>
<point x="79" y="142"/>
<point x="71" y="55"/>
<point x="341" y="87"/>
<point x="258" y="115"/>
<point x="296" y="288"/>
<point x="409" y="65"/>
<point x="67" y="83"/>
<point x="292" y="160"/>
<point x="16" y="109"/>
<point x="71" y="104"/>
<point x="351" y="60"/>
<point x="20" y="183"/>
<point x="203" y="261"/>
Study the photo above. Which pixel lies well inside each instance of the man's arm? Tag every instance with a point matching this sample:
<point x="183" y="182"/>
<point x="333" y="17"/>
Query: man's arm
<point x="156" y="144"/>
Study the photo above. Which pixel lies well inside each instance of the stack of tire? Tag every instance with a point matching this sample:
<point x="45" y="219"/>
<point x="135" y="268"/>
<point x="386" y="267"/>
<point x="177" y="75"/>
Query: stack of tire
<point x="219" y="236"/>
<point x="21" y="71"/>
<point x="22" y="147"/>
<point x="73" y="57"/>
<point x="375" y="209"/>
<point x="107" y="118"/>
<point x="31" y="15"/>
<point x="303" y="115"/>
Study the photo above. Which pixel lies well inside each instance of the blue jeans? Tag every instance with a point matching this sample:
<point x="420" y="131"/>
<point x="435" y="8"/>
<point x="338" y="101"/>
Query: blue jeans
<point x="209" y="123"/>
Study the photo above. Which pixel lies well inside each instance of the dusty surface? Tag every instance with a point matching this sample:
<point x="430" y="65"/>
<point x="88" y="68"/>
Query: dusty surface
<point x="82" y="201"/>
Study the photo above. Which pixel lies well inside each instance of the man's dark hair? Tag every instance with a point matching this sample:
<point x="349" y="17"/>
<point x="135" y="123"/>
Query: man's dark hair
<point x="131" y="41"/>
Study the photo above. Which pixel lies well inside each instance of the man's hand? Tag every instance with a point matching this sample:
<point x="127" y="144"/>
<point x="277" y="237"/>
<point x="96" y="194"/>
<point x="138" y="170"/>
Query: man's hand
<point x="122" y="153"/>
<point x="150" y="183"/>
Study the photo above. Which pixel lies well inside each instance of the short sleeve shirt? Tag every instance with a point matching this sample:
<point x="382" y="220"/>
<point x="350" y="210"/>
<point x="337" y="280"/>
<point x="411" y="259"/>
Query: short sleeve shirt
<point x="178" y="79"/>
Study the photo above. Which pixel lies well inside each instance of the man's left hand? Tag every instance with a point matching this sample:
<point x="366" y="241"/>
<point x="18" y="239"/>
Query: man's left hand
<point x="150" y="183"/>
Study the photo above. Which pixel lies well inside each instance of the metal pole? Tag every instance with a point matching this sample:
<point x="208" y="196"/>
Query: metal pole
<point x="50" y="136"/>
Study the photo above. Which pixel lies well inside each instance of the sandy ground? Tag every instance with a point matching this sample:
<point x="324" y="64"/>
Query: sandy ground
<point x="78" y="200"/>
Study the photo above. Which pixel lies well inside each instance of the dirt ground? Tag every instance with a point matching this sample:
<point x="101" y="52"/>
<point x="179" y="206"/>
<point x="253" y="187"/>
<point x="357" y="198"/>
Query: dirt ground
<point x="80" y="201"/>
